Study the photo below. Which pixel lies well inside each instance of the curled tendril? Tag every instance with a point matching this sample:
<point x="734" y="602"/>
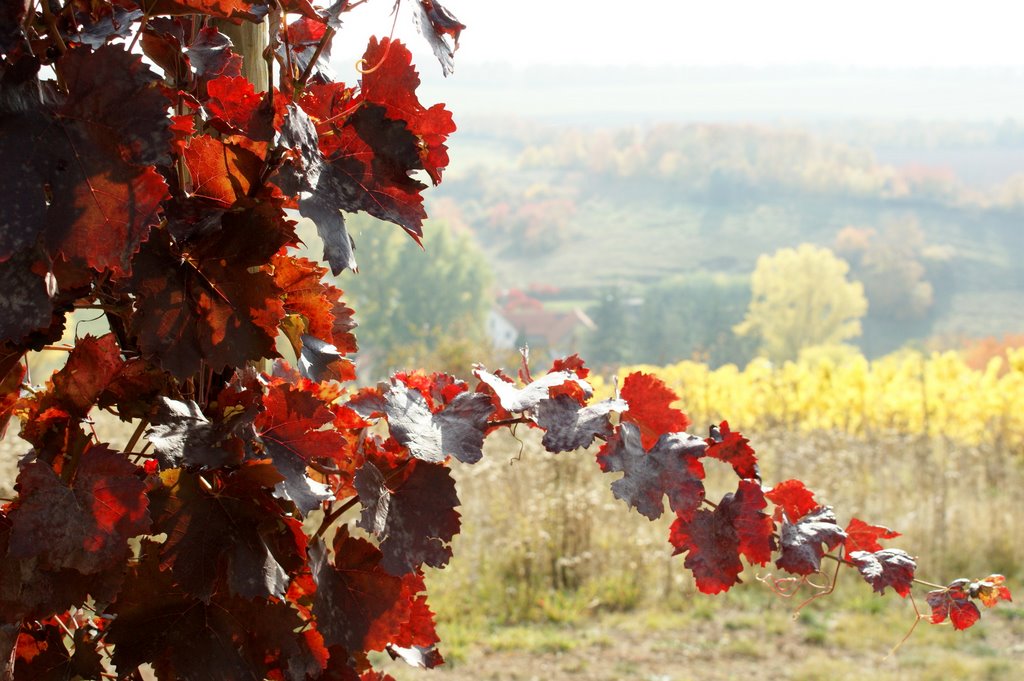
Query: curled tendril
<point x="361" y="64"/>
<point x="786" y="587"/>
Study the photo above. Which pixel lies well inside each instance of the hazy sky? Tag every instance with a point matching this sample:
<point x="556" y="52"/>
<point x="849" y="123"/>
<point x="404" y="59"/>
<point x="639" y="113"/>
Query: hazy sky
<point x="896" y="33"/>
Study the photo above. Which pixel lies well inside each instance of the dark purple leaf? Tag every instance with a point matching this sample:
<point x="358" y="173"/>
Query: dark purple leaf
<point x="457" y="430"/>
<point x="888" y="567"/>
<point x="570" y="426"/>
<point x="671" y="468"/>
<point x="415" y="519"/>
<point x="802" y="541"/>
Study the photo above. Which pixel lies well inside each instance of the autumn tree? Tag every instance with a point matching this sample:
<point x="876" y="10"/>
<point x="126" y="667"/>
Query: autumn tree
<point x="801" y="297"/>
<point x="890" y="264"/>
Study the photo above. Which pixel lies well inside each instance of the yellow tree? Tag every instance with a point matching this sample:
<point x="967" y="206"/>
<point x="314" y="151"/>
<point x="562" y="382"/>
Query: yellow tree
<point x="801" y="298"/>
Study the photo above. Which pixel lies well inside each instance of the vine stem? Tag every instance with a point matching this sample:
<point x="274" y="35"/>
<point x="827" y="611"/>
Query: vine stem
<point x="334" y="514"/>
<point x="514" y="421"/>
<point x="134" y="439"/>
<point x="917" y="620"/>
<point x="300" y="84"/>
<point x="51" y="26"/>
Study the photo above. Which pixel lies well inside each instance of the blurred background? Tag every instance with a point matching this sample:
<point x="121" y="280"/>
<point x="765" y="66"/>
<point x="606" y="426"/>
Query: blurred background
<point x="808" y="219"/>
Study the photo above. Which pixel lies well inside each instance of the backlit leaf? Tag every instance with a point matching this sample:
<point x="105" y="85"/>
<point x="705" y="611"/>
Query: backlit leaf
<point x="863" y="537"/>
<point x="734" y="449"/>
<point x="792" y="499"/>
<point x="650" y="407"/>
<point x="953" y="603"/>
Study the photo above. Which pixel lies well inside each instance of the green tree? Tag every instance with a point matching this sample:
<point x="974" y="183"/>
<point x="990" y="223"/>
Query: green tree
<point x="611" y="343"/>
<point x="799" y="298"/>
<point x="412" y="308"/>
<point x="691" y="317"/>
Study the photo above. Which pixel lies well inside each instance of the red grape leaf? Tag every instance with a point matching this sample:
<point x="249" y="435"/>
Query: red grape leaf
<point x="953" y="603"/>
<point x="91" y="367"/>
<point x="322" y="331"/>
<point x="712" y="551"/>
<point x="410" y="624"/>
<point x="801" y="541"/>
<point x="412" y="513"/>
<point x="735" y="450"/>
<point x="393" y="86"/>
<point x="91" y="205"/>
<point x="253" y="10"/>
<point x="293" y="429"/>
<point x="158" y="622"/>
<point x="513" y="399"/>
<point x="456" y="430"/>
<point x="863" y="537"/>
<point x="319" y="303"/>
<point x="86" y="179"/>
<point x="203" y="307"/>
<point x="568" y="426"/>
<point x="85" y="526"/>
<point x="571" y="363"/>
<point x="300" y="41"/>
<point x="715" y="540"/>
<point x="671" y="468"/>
<point x="99" y="84"/>
<point x="361" y="606"/>
<point x="887" y="567"/>
<point x="990" y="590"/>
<point x="30" y="592"/>
<point x="223" y="173"/>
<point x="650" y="407"/>
<point x="236" y="534"/>
<point x="754" y="528"/>
<point x="792" y="499"/>
<point x="367" y="169"/>
<point x="236" y="108"/>
<point x="437" y="24"/>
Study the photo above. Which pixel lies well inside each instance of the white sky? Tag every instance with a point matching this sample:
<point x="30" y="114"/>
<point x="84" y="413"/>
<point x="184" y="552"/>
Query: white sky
<point x="887" y="33"/>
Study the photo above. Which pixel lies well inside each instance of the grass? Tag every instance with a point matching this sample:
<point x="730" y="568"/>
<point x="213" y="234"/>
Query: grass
<point x="550" y="569"/>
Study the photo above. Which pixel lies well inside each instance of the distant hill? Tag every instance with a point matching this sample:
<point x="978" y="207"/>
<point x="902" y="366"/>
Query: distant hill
<point x="586" y="208"/>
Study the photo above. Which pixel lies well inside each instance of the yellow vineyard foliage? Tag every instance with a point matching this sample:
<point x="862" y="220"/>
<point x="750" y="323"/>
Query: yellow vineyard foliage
<point x="937" y="395"/>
